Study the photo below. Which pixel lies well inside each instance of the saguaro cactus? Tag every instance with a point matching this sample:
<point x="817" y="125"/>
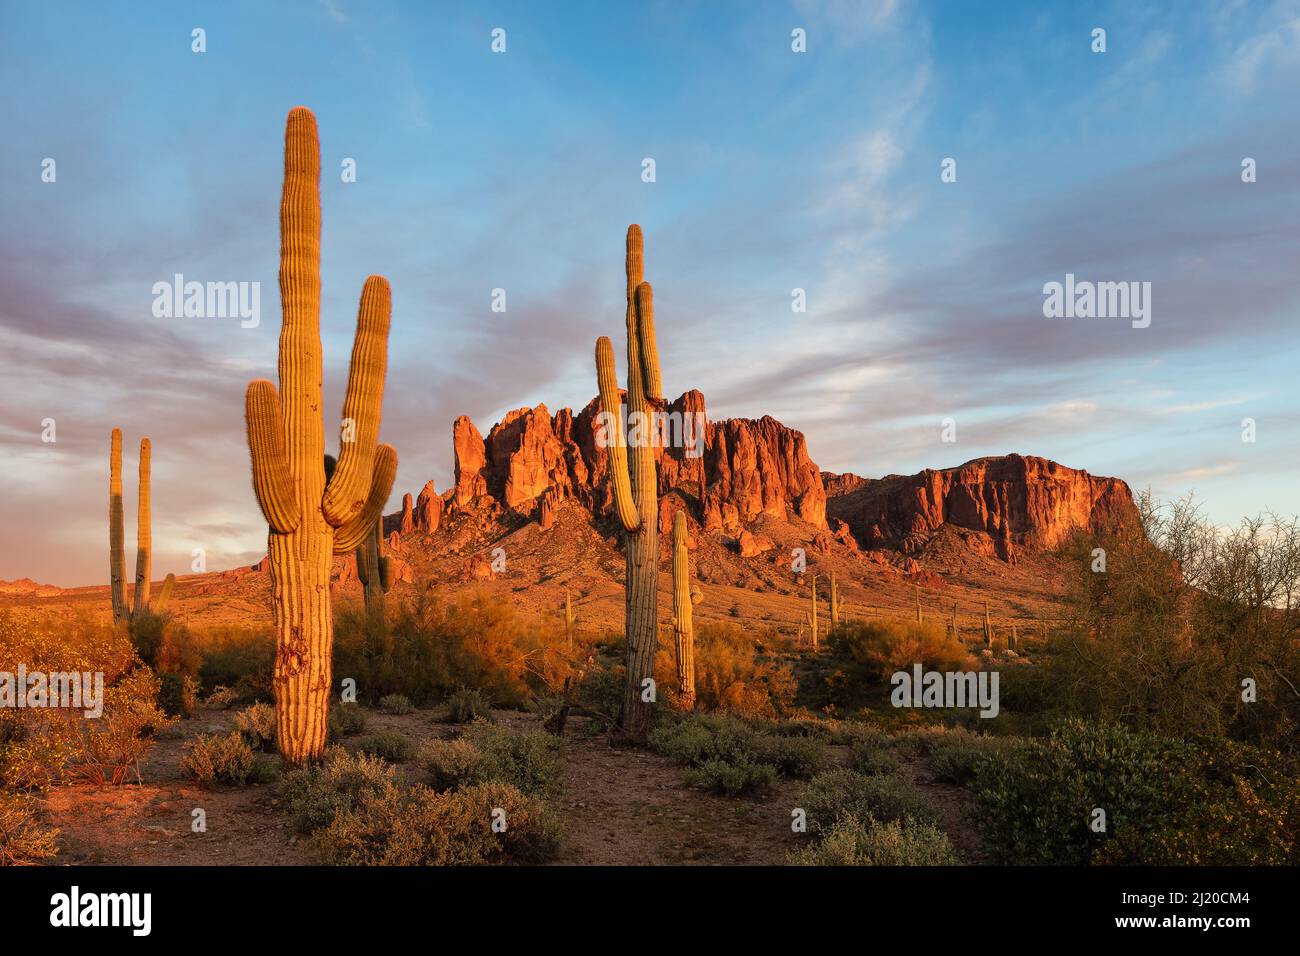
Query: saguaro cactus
<point x="988" y="626"/>
<point x="683" y="625"/>
<point x="632" y="474"/>
<point x="143" y="536"/>
<point x="312" y="519"/>
<point x="920" y="615"/>
<point x="812" y="617"/>
<point x="372" y="568"/>
<point x="954" y="621"/>
<point x="835" y="602"/>
<point x="165" y="594"/>
<point x="569" y="620"/>
<point x="116" y="527"/>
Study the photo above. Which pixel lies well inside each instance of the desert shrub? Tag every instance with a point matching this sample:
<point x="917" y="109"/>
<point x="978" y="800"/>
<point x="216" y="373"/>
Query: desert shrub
<point x="418" y="826"/>
<point x="346" y="720"/>
<point x="222" y="697"/>
<point x="852" y="841"/>
<point x="799" y="757"/>
<point x="732" y="778"/>
<point x="866" y="653"/>
<point x="871" y="759"/>
<point x="1185" y="609"/>
<point x="257" y="724"/>
<point x="241" y="659"/>
<point x="46" y="745"/>
<point x="315" y="793"/>
<point x="427" y="648"/>
<point x="526" y="759"/>
<point x="1167" y="801"/>
<point x="177" y="695"/>
<point x="146" y="631"/>
<point x="467" y="705"/>
<point x="24" y="840"/>
<point x="732" y="674"/>
<point x="822" y="730"/>
<point x="391" y="745"/>
<point x="211" y="758"/>
<point x="883" y="798"/>
<point x="453" y="763"/>
<point x="395" y="704"/>
<point x="957" y="759"/>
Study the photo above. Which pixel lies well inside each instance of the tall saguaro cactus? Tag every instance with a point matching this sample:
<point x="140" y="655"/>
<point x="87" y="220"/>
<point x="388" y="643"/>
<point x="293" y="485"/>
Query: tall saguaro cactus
<point x="116" y="527"/>
<point x="312" y="519"/>
<point x="812" y="593"/>
<point x="143" y="536"/>
<point x="632" y="474"/>
<point x="835" y="602"/>
<point x="683" y="625"/>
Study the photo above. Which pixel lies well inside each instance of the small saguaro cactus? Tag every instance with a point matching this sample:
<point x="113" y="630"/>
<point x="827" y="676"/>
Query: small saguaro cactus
<point x="684" y="599"/>
<point x="835" y="602"/>
<point x="569" y="620"/>
<point x="116" y="528"/>
<point x="635" y="485"/>
<point x="143" y="536"/>
<point x="955" y="633"/>
<point x="1012" y="640"/>
<point x="920" y="615"/>
<point x="165" y="593"/>
<point x="812" y="617"/>
<point x="988" y="626"/>
<point x="313" y="518"/>
<point x="372" y="568"/>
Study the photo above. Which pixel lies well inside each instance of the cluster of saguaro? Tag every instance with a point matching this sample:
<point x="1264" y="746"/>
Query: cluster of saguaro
<point x="372" y="567"/>
<point x="312" y="518"/>
<point x="683" y="601"/>
<point x="117" y="533"/>
<point x="632" y="475"/>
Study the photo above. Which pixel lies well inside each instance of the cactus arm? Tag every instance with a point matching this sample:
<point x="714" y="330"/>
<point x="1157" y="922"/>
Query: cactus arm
<point x="143" y="535"/>
<point x="649" y="350"/>
<point x="645" y="486"/>
<point x="351" y="535"/>
<point x="272" y="483"/>
<point x="116" y="527"/>
<point x="165" y="594"/>
<point x="346" y="493"/>
<point x="385" y="578"/>
<point x="615" y="441"/>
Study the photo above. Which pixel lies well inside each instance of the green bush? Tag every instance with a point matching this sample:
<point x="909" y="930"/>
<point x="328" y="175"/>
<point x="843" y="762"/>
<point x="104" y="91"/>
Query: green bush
<point x="1167" y="801"/>
<point x="526" y="759"/>
<point x="836" y="792"/>
<point x="700" y="738"/>
<point x="418" y="826"/>
<point x="851" y="841"/>
<point x="392" y="745"/>
<point x="240" y="659"/>
<point x="346" y="720"/>
<point x="466" y="706"/>
<point x="211" y="758"/>
<point x="257" y="724"/>
<point x="177" y="695"/>
<point x="395" y="704"/>
<point x="315" y="793"/>
<point x="453" y="763"/>
<point x="871" y="759"/>
<point x="732" y="778"/>
<point x="24" y="841"/>
<point x="957" y="759"/>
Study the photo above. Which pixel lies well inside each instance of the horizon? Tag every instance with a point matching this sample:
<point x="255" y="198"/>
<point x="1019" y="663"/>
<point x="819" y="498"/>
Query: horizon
<point x="478" y="171"/>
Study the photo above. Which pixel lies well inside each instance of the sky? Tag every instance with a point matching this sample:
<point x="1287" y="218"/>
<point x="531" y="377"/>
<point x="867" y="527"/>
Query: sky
<point x="775" y="170"/>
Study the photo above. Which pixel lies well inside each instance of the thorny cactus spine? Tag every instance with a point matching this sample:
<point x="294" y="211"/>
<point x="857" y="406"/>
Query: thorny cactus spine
<point x="632" y="475"/>
<point x="683" y="625"/>
<point x="312" y="519"/>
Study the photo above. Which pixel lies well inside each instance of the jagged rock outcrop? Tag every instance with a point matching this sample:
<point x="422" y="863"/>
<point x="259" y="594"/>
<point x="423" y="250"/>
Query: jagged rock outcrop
<point x="731" y="471"/>
<point x="1017" y="501"/>
<point x="428" y="509"/>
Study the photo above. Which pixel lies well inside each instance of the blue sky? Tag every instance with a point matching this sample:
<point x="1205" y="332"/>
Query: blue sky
<point x="775" y="170"/>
